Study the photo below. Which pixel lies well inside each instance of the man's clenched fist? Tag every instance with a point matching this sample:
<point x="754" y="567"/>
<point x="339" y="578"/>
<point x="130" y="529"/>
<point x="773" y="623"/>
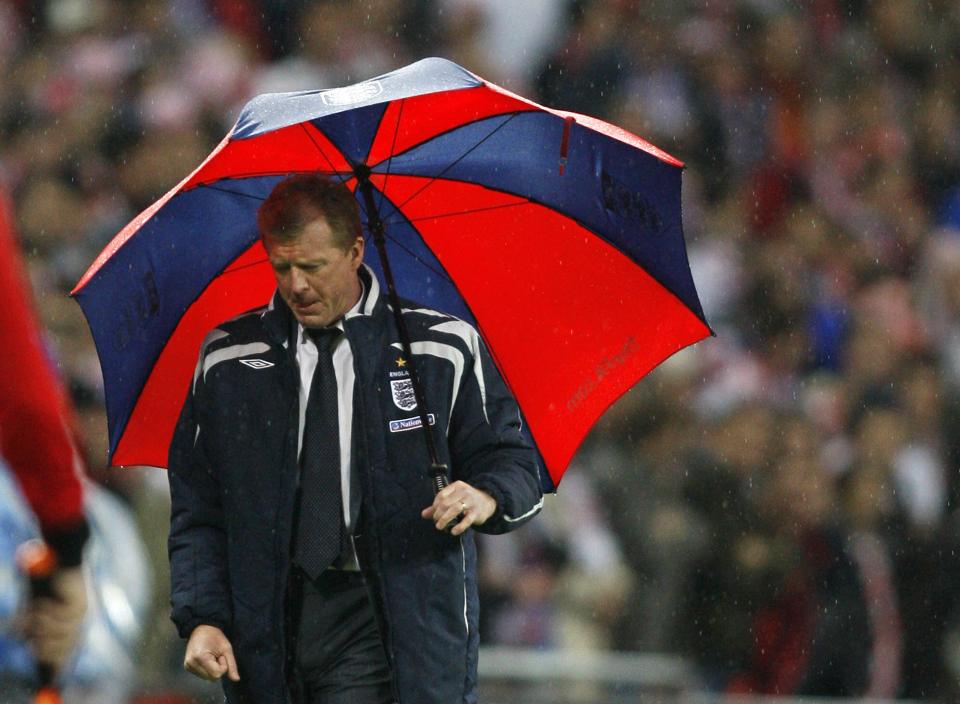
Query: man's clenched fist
<point x="210" y="655"/>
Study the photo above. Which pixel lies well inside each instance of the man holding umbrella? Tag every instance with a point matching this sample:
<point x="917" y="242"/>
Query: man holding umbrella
<point x="310" y="559"/>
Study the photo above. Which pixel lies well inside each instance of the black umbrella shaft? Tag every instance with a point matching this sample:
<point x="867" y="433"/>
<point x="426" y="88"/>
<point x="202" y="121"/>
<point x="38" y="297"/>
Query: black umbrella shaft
<point x="438" y="471"/>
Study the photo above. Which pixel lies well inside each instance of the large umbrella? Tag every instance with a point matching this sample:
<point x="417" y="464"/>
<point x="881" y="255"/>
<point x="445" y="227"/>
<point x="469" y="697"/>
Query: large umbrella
<point x="556" y="234"/>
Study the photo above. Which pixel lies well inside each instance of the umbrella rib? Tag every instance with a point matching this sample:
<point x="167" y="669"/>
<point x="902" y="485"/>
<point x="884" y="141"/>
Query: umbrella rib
<point x="393" y="144"/>
<point x="459" y="212"/>
<point x="241" y="267"/>
<point x="427" y="265"/>
<point x="401" y="217"/>
<point x="457" y="160"/>
<point x="229" y="191"/>
<point x="323" y="154"/>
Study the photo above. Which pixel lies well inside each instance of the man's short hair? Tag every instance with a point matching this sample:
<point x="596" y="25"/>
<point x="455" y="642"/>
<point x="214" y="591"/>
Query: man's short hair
<point x="296" y="201"/>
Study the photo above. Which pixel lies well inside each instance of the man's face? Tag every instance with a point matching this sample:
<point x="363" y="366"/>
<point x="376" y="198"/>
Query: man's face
<point x="316" y="278"/>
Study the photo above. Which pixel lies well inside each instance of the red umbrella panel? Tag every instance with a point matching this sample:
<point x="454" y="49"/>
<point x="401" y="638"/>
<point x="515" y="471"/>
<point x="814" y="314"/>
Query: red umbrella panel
<point x="557" y="235"/>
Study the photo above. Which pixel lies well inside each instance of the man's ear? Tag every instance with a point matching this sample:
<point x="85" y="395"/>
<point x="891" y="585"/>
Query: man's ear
<point x="356" y="251"/>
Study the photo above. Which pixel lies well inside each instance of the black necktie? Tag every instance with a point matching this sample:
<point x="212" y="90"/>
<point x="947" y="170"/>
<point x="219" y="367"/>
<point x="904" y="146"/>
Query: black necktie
<point x="320" y="523"/>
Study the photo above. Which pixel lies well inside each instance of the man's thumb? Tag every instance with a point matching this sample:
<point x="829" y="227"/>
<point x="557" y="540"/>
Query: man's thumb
<point x="230" y="665"/>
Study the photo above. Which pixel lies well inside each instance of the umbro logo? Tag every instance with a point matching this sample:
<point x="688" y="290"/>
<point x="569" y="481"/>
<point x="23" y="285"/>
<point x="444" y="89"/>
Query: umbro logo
<point x="256" y="363"/>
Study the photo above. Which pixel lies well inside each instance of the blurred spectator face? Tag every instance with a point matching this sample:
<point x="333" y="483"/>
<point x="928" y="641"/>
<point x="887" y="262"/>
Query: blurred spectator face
<point x="825" y="404"/>
<point x="788" y="352"/>
<point x="900" y="27"/>
<point x="601" y="23"/>
<point x="808" y="230"/>
<point x="663" y="449"/>
<point x="872" y="355"/>
<point x="798" y="437"/>
<point x="880" y="434"/>
<point x="217" y="70"/>
<point x="744" y="440"/>
<point x="159" y="162"/>
<point x="50" y="213"/>
<point x="785" y="46"/>
<point x="165" y="105"/>
<point x="867" y="498"/>
<point x="826" y="125"/>
<point x="801" y="495"/>
<point x="534" y="584"/>
<point x="323" y="20"/>
<point x="86" y="121"/>
<point x="920" y="397"/>
<point x="37" y="149"/>
<point x="938" y="125"/>
<point x="945" y="262"/>
<point x="779" y="297"/>
<point x="902" y="219"/>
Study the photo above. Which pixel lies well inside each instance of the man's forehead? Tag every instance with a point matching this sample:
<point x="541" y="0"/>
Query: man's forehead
<point x="313" y="234"/>
<point x="296" y="253"/>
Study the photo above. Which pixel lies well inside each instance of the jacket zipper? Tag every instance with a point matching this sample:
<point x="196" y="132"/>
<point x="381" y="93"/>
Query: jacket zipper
<point x="359" y="463"/>
<point x="286" y="657"/>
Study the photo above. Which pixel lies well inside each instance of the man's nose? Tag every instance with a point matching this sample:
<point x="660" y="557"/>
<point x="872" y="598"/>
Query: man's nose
<point x="298" y="281"/>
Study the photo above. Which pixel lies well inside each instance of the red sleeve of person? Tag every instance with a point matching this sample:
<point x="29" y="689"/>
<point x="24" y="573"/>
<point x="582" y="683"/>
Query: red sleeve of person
<point x="36" y="425"/>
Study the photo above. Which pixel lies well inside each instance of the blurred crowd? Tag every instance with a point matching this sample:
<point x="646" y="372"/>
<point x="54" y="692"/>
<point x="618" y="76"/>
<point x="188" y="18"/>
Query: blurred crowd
<point x="778" y="503"/>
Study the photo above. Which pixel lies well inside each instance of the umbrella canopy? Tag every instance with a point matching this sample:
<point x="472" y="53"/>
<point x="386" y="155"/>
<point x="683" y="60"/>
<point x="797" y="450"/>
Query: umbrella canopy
<point x="557" y="235"/>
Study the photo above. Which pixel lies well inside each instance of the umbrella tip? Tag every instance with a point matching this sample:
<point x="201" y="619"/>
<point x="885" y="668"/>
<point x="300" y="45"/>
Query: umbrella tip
<point x="362" y="172"/>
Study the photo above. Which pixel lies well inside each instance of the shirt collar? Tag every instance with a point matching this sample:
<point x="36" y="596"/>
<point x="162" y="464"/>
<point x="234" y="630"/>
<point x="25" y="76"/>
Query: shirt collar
<point x="369" y="296"/>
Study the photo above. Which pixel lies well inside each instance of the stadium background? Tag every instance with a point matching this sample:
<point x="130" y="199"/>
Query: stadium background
<point x="772" y="507"/>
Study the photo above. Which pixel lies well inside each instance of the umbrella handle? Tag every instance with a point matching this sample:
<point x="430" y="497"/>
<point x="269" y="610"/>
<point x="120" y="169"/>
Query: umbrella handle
<point x="38" y="561"/>
<point x="440" y="482"/>
<point x="440" y="478"/>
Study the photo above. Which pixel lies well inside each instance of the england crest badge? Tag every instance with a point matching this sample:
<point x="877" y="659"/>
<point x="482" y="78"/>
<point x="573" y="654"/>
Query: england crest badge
<point x="403" y="396"/>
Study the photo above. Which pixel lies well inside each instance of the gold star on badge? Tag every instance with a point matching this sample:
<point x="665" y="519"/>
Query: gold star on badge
<point x="401" y="362"/>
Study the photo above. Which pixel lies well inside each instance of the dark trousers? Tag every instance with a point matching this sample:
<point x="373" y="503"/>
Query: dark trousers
<point x="338" y="653"/>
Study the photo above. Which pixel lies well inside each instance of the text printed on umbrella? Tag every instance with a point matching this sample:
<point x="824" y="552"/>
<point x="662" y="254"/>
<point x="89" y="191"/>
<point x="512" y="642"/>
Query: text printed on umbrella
<point x="629" y="204"/>
<point x="600" y="371"/>
<point x="143" y="304"/>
